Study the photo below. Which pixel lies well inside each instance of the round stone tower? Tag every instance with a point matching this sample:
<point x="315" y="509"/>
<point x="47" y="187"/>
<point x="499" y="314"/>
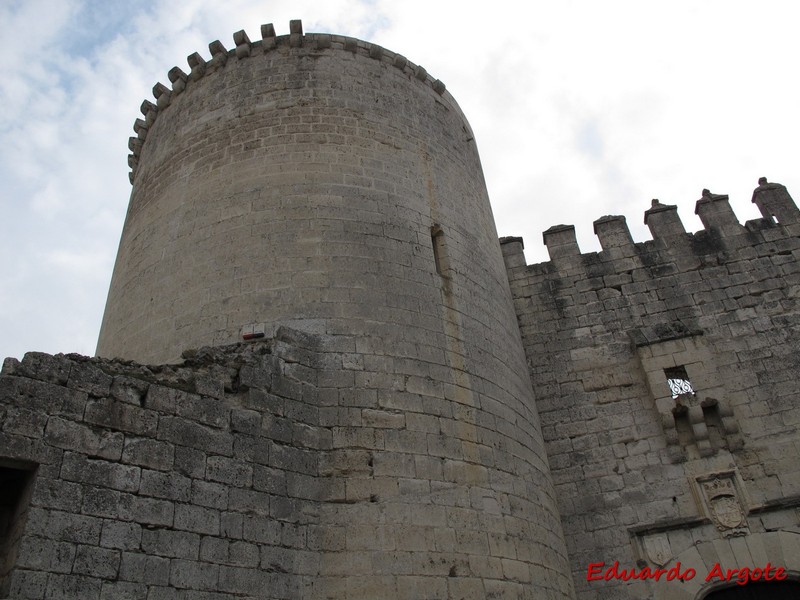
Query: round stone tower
<point x="328" y="184"/>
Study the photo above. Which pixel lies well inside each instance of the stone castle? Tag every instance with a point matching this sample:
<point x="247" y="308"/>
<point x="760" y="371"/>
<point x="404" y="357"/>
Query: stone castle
<point x="321" y="376"/>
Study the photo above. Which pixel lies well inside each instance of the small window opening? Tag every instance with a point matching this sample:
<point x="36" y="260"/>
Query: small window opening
<point x="713" y="421"/>
<point x="440" y="257"/>
<point x="16" y="485"/>
<point x="682" y="425"/>
<point x="678" y="381"/>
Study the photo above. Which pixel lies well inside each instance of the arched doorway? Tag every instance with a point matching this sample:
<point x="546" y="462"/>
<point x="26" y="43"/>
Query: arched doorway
<point x="758" y="590"/>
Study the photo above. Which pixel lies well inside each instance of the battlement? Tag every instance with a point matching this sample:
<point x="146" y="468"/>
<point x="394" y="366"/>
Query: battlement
<point x="660" y="367"/>
<point x="722" y="238"/>
<point x="243" y="49"/>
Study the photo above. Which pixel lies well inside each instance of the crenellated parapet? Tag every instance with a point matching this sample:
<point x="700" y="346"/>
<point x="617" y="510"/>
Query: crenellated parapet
<point x="722" y="237"/>
<point x="244" y="48"/>
<point x="656" y="306"/>
<point x="661" y="367"/>
<point x="773" y="200"/>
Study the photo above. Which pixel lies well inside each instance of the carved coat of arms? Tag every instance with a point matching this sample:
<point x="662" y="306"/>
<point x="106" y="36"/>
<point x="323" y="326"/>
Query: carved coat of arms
<point x="722" y="500"/>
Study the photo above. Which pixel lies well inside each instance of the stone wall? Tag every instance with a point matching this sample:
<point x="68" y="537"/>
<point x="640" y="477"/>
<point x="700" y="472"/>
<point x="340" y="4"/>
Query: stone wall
<point x="300" y="182"/>
<point x="644" y="475"/>
<point x="260" y="471"/>
<point x="330" y="185"/>
<point x="389" y="444"/>
<point x="194" y="481"/>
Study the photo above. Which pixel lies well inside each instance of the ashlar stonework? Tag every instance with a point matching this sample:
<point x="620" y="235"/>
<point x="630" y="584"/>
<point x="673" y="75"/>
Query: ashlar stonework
<point x="666" y="380"/>
<point x="384" y="401"/>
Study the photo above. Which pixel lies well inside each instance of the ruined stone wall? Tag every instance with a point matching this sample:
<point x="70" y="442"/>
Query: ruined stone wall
<point x="644" y="476"/>
<point x="256" y="471"/>
<point x="198" y="481"/>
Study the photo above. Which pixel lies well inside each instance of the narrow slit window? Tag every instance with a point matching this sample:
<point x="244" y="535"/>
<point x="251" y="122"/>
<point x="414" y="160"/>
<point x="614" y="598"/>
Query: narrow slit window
<point x="439" y="251"/>
<point x="678" y="381"/>
<point x="682" y="426"/>
<point x="713" y="421"/>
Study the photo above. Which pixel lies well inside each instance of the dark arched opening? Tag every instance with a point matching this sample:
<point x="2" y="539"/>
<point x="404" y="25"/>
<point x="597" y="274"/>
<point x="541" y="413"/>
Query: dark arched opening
<point x="758" y="590"/>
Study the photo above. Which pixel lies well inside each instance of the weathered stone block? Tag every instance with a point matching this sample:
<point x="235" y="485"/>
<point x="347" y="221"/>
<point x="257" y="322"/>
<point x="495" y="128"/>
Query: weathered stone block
<point x="210" y="495"/>
<point x="196" y="519"/>
<point x="121" y="416"/>
<point x="39" y="554"/>
<point x="187" y="433"/>
<point x="249" y="502"/>
<point x="209" y="411"/>
<point x="96" y="562"/>
<point x="121" y="535"/>
<point x="230" y="471"/>
<point x="121" y="590"/>
<point x="44" y="367"/>
<point x="144" y="568"/>
<point x="69" y="527"/>
<point x="80" y="438"/>
<point x="146" y="452"/>
<point x="29" y="585"/>
<point x="78" y="468"/>
<point x="68" y="587"/>
<point x="193" y="575"/>
<point x="88" y="378"/>
<point x="165" y="485"/>
<point x="167" y="543"/>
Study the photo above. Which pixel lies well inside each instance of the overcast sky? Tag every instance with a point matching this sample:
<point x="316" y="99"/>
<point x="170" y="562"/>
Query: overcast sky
<point x="580" y="108"/>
